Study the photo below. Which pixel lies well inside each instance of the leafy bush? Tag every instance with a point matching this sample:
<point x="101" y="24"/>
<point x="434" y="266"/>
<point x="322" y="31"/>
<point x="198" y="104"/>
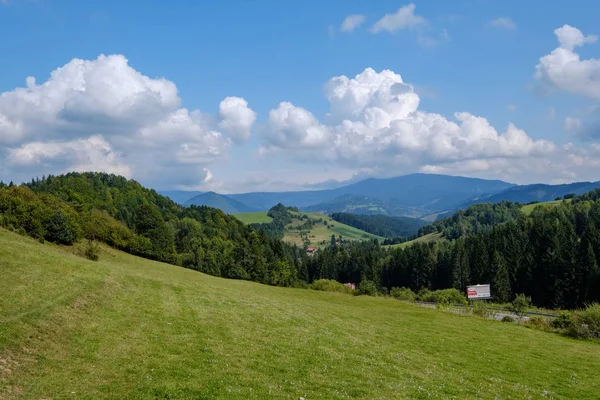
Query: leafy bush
<point x="443" y="296"/>
<point x="59" y="230"/>
<point x="328" y="285"/>
<point x="538" y="322"/>
<point x="367" y="287"/>
<point x="586" y="323"/>
<point x="508" y="318"/>
<point x="449" y="296"/>
<point x="521" y="304"/>
<point x="403" y="294"/>
<point x="563" y="321"/>
<point x="425" y="295"/>
<point x="92" y="251"/>
<point x="481" y="309"/>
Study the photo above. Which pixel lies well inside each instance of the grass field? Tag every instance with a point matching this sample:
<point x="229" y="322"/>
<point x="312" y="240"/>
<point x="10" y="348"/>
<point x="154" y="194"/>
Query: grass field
<point x="129" y="328"/>
<point x="318" y="233"/>
<point x="430" y="237"/>
<point x="527" y="209"/>
<point x="254" y="217"/>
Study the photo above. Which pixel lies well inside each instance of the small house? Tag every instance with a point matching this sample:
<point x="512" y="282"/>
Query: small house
<point x="350" y="285"/>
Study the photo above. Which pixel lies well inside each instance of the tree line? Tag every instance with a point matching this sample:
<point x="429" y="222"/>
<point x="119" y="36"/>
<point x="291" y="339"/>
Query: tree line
<point x="129" y="217"/>
<point x="551" y="255"/>
<point x="381" y="225"/>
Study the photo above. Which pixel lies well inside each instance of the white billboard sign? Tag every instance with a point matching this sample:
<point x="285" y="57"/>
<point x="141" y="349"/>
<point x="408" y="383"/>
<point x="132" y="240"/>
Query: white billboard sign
<point x="478" y="292"/>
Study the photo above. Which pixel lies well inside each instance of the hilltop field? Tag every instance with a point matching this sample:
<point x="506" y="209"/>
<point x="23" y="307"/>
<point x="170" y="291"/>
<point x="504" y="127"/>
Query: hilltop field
<point x="316" y="234"/>
<point x="129" y="328"/>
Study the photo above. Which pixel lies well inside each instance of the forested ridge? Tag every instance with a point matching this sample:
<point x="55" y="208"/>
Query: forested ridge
<point x="127" y="216"/>
<point x="551" y="255"/>
<point x="381" y="225"/>
<point x="477" y="218"/>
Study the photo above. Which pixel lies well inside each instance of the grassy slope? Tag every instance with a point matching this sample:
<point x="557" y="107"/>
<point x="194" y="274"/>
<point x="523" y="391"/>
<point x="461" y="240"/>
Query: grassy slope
<point x="318" y="233"/>
<point x="128" y="328"/>
<point x="430" y="237"/>
<point x="527" y="209"/>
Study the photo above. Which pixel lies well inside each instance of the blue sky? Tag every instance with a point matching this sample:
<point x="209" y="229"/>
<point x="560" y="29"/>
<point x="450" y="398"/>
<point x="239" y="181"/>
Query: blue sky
<point x="474" y="57"/>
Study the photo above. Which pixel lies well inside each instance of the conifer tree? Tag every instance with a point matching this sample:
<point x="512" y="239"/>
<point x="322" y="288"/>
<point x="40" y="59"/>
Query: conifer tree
<point x="500" y="283"/>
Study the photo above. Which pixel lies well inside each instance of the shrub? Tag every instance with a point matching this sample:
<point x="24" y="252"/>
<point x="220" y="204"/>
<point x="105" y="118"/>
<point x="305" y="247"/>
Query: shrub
<point x="563" y="321"/>
<point x="59" y="229"/>
<point x="586" y="323"/>
<point x="538" y="322"/>
<point x="328" y="285"/>
<point x="403" y="294"/>
<point x="425" y="295"/>
<point x="481" y="309"/>
<point x="449" y="296"/>
<point x="443" y="296"/>
<point x="521" y="304"/>
<point x="367" y="287"/>
<point x="508" y="318"/>
<point x="92" y="251"/>
<point x="21" y="231"/>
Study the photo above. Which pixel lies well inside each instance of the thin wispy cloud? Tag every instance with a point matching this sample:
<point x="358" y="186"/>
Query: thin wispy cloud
<point x="404" y="18"/>
<point x="351" y="22"/>
<point x="503" y="23"/>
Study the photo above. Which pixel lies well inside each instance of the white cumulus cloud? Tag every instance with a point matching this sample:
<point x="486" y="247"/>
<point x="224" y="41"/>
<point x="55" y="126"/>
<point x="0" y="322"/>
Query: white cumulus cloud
<point x="375" y="121"/>
<point x="564" y="69"/>
<point x="104" y="115"/>
<point x="236" y="118"/>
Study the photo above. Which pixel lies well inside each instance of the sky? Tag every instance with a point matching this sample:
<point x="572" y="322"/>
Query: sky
<point x="241" y="96"/>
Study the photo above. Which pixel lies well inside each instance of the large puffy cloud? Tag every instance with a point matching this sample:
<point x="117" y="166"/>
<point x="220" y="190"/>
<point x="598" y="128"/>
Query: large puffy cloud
<point x="90" y="154"/>
<point x="236" y="117"/>
<point x="104" y="115"/>
<point x="564" y="69"/>
<point x="374" y="120"/>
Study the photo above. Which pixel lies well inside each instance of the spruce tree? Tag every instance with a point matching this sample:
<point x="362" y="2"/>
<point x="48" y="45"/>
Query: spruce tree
<point x="500" y="282"/>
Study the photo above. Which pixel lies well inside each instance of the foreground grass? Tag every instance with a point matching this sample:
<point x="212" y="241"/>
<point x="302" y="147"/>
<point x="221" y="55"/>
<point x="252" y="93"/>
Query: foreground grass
<point x="128" y="328"/>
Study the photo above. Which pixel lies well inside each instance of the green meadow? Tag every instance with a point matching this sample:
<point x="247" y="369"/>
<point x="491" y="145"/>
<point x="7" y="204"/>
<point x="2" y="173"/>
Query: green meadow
<point x="317" y="233"/>
<point x="129" y="328"/>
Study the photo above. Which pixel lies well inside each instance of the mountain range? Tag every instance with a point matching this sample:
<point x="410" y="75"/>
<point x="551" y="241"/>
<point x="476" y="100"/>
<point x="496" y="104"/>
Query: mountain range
<point x="413" y="195"/>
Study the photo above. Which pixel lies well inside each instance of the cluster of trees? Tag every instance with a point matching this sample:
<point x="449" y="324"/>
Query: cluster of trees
<point x="478" y="218"/>
<point x="281" y="216"/>
<point x="551" y="255"/>
<point x="381" y="225"/>
<point x="125" y="215"/>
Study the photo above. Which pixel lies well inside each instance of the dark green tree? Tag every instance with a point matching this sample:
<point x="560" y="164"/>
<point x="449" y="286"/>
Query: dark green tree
<point x="500" y="287"/>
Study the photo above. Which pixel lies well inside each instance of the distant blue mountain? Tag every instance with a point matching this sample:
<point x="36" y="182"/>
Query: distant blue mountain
<point x="413" y="195"/>
<point x="179" y="196"/>
<point x="222" y="202"/>
<point x="427" y="191"/>
<point x="536" y="192"/>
